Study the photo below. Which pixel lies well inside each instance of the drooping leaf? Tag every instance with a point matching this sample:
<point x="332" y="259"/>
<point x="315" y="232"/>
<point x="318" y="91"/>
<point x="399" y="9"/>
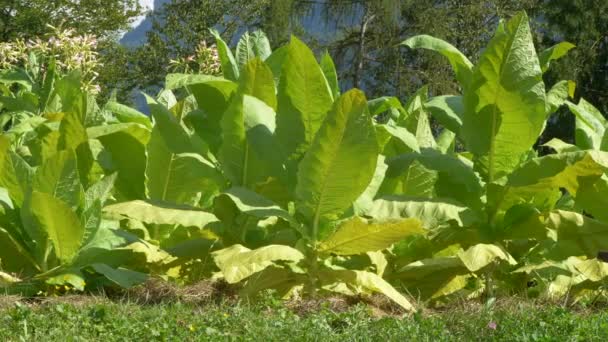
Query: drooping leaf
<point x="555" y="52"/>
<point x="433" y="278"/>
<point x="590" y="125"/>
<point x="367" y="282"/>
<point x="238" y="262"/>
<point x="251" y="203"/>
<point x="126" y="114"/>
<point x="459" y="62"/>
<point x="126" y="144"/>
<point x="455" y="177"/>
<point x="560" y="146"/>
<point x="558" y="95"/>
<point x="577" y="235"/>
<point x="122" y="277"/>
<point x="357" y="235"/>
<point x="5" y="198"/>
<point x="282" y="280"/>
<point x="432" y="213"/>
<point x="591" y="196"/>
<point x="481" y="255"/>
<point x="448" y="110"/>
<point x="396" y="140"/>
<point x="340" y="163"/>
<point x="563" y="170"/>
<point x="505" y="106"/>
<point x="161" y="213"/>
<point x="383" y="104"/>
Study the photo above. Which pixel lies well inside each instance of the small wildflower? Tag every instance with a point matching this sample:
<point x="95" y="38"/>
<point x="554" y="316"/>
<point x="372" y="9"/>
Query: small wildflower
<point x="191" y="328"/>
<point x="492" y="325"/>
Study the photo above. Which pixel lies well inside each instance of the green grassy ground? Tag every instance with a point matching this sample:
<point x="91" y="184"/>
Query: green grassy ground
<point x="92" y="319"/>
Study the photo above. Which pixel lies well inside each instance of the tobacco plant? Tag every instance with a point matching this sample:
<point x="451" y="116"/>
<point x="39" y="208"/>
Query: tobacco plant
<point x="497" y="211"/>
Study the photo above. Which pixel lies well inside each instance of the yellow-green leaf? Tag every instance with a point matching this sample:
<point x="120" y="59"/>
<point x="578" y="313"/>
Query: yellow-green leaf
<point x="357" y="235"/>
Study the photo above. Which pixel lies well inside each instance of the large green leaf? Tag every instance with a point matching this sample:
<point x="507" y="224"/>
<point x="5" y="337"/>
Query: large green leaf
<point x="433" y="278"/>
<point x="175" y="176"/>
<point x="251" y="46"/>
<point x="563" y="170"/>
<point x="454" y="177"/>
<point x="58" y="222"/>
<point x="176" y="81"/>
<point x="479" y="256"/>
<point x="15" y="173"/>
<point x="590" y="125"/>
<point x="415" y="180"/>
<point x="396" y="140"/>
<point x="577" y="235"/>
<point x="238" y="262"/>
<point x="282" y="280"/>
<point x="248" y="128"/>
<point x="389" y="104"/>
<point x="74" y="137"/>
<point x="181" y="178"/>
<point x="460" y="63"/>
<point x="252" y="203"/>
<point x="340" y="163"/>
<point x="366" y="282"/>
<point x="15" y="254"/>
<point x="122" y="277"/>
<point x="591" y="196"/>
<point x="5" y="198"/>
<point x="505" y="106"/>
<point x="58" y="177"/>
<point x="126" y="114"/>
<point x="365" y="201"/>
<point x="357" y="235"/>
<point x="558" y="95"/>
<point x="448" y="110"/>
<point x="432" y="213"/>
<point x="126" y="146"/>
<point x="303" y="99"/>
<point x="160" y="213"/>
<point x="230" y="68"/>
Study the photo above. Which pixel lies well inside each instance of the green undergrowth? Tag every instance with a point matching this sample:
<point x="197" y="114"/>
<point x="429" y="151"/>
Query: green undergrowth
<point x="92" y="318"/>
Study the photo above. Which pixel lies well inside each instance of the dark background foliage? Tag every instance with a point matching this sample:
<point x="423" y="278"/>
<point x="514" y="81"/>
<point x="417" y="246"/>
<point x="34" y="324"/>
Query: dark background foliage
<point x="361" y="35"/>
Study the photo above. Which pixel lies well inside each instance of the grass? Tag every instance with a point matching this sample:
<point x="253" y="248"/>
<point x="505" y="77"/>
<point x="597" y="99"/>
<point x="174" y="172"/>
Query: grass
<point x="88" y="318"/>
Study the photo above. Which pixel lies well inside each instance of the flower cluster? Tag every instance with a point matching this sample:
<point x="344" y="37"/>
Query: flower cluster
<point x="205" y="60"/>
<point x="69" y="51"/>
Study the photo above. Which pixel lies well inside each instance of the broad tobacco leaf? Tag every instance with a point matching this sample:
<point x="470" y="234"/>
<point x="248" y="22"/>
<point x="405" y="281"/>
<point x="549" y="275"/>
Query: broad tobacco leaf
<point x="505" y="105"/>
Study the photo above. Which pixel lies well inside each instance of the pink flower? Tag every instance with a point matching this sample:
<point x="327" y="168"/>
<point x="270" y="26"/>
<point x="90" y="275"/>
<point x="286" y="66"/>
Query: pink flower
<point x="492" y="325"/>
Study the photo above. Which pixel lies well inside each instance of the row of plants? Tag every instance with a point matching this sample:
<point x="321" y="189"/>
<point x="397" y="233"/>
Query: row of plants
<point x="270" y="177"/>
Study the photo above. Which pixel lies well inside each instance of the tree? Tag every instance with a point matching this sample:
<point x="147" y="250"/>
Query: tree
<point x="29" y="18"/>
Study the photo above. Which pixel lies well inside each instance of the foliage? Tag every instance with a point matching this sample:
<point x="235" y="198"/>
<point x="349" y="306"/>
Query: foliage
<point x="271" y="178"/>
<point x="29" y="19"/>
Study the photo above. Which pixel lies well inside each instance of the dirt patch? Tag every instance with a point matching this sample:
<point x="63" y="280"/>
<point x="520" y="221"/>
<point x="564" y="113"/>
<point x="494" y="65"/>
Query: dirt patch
<point x="158" y="291"/>
<point x="7" y="301"/>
